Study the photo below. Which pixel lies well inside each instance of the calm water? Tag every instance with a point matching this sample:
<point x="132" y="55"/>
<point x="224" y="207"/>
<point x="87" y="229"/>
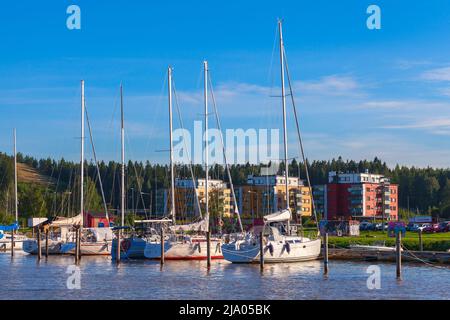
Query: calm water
<point x="24" y="278"/>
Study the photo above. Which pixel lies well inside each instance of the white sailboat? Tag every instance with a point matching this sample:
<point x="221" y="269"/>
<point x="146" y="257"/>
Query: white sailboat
<point x="186" y="242"/>
<point x="279" y="244"/>
<point x="94" y="241"/>
<point x="12" y="238"/>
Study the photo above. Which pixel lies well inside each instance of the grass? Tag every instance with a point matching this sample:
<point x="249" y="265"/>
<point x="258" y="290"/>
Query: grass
<point x="431" y="242"/>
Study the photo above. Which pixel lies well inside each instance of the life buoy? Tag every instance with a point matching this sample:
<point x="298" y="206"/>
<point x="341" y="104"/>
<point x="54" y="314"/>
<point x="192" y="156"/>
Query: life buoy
<point x="221" y="223"/>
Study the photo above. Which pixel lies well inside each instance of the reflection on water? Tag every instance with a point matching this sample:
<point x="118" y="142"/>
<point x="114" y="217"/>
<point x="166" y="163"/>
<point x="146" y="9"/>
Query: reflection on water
<point x="25" y="278"/>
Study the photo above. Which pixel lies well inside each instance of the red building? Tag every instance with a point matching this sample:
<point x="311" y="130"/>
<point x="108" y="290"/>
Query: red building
<point x="360" y="195"/>
<point x="96" y="220"/>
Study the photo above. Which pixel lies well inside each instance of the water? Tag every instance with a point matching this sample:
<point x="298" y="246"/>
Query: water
<point x="24" y="278"/>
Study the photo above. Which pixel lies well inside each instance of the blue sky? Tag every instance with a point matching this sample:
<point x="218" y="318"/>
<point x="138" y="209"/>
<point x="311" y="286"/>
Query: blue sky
<point x="361" y="93"/>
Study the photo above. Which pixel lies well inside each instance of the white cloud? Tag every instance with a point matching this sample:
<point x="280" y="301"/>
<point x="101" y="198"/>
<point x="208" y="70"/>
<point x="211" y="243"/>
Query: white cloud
<point x="438" y="74"/>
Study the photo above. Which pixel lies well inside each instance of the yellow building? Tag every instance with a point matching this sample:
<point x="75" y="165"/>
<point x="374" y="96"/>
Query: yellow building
<point x="220" y="201"/>
<point x="263" y="195"/>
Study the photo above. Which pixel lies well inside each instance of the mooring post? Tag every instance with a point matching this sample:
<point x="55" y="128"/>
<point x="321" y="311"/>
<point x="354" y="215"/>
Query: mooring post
<point x="208" y="249"/>
<point x="46" y="243"/>
<point x="261" y="251"/>
<point x="118" y="246"/>
<point x="79" y="244"/>
<point x="420" y="240"/>
<point x="39" y="253"/>
<point x="325" y="253"/>
<point x="398" y="244"/>
<point x="162" y="245"/>
<point x="12" y="243"/>
<point x="76" y="244"/>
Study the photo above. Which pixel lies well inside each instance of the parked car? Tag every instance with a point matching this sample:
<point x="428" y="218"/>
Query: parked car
<point x="414" y="227"/>
<point x="364" y="226"/>
<point x="379" y="226"/>
<point x="423" y="226"/>
<point x="432" y="228"/>
<point x="444" y="226"/>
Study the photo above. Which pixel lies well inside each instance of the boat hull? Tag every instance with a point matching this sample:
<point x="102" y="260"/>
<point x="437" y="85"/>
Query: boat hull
<point x="5" y="243"/>
<point x="31" y="246"/>
<point x="183" y="250"/>
<point x="274" y="252"/>
<point x="88" y="248"/>
<point x="131" y="248"/>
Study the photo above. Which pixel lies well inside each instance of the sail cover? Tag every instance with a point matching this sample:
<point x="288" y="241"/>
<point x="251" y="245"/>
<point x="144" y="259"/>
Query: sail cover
<point x="11" y="227"/>
<point x="201" y="226"/>
<point x="279" y="216"/>
<point x="62" y="221"/>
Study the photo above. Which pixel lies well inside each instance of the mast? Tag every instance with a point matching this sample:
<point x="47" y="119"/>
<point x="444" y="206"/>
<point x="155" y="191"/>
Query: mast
<point x="283" y="101"/>
<point x="15" y="177"/>
<point x="122" y="139"/>
<point x="82" y="156"/>
<point x="172" y="173"/>
<point x="205" y="67"/>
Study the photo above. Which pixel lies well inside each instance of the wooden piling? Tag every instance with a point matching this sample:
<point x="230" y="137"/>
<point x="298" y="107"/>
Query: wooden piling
<point x="77" y="244"/>
<point x="118" y="246"/>
<point x="12" y="243"/>
<point x="398" y="245"/>
<point x="208" y="249"/>
<point x="39" y="252"/>
<point x="420" y="240"/>
<point x="261" y="251"/>
<point x="325" y="253"/>
<point x="46" y="243"/>
<point x="162" y="246"/>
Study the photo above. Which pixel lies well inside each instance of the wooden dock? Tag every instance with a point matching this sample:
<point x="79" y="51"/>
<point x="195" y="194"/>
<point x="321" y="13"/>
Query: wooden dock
<point x="389" y="256"/>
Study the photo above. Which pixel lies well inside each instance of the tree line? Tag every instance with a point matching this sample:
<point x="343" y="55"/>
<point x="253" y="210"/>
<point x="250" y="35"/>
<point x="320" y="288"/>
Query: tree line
<point x="423" y="190"/>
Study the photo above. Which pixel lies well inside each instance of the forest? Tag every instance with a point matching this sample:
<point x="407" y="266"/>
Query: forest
<point x="421" y="190"/>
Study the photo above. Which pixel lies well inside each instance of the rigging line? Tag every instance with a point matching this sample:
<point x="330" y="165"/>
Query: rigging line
<point x="96" y="162"/>
<point x="46" y="189"/>
<point x="300" y="139"/>
<point x="158" y="110"/>
<point x="56" y="188"/>
<point x="180" y="118"/>
<point x="137" y="175"/>
<point x="224" y="152"/>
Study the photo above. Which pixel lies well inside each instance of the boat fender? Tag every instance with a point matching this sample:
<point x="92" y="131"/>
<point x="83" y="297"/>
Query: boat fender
<point x="218" y="247"/>
<point x="270" y="247"/>
<point x="288" y="247"/>
<point x="199" y="248"/>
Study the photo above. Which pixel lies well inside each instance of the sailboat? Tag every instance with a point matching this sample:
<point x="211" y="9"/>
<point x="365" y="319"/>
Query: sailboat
<point x="279" y="243"/>
<point x="186" y="242"/>
<point x="94" y="241"/>
<point x="133" y="246"/>
<point x="12" y="238"/>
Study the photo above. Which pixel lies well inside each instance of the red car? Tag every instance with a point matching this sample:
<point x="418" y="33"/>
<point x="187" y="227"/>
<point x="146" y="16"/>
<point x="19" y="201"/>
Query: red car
<point x="432" y="228"/>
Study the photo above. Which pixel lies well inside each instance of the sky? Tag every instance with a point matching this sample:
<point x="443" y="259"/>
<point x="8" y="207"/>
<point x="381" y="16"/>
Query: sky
<point x="360" y="93"/>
